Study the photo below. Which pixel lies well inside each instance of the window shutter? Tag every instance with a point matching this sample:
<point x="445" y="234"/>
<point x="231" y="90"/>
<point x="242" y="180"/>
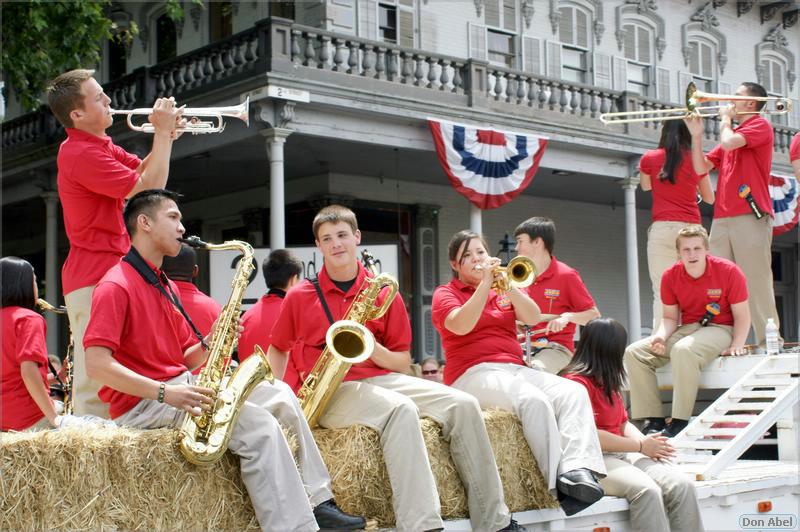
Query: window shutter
<point x="477" y="42"/>
<point x="581" y="28"/>
<point x="553" y="59"/>
<point x="706" y="62"/>
<point x="531" y="55"/>
<point x="492" y="13"/>
<point x="684" y="78"/>
<point x="510" y="15"/>
<point x="368" y="19"/>
<point x="405" y="29"/>
<point x="723" y="87"/>
<point x="565" y="26"/>
<point x="694" y="58"/>
<point x="601" y="70"/>
<point x="662" y="84"/>
<point x="777" y="78"/>
<point x="644" y="45"/>
<point x="629" y="43"/>
<point x="620" y="73"/>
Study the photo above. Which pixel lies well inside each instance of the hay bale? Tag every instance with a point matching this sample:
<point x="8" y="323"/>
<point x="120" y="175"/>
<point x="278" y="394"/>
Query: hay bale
<point x="131" y="479"/>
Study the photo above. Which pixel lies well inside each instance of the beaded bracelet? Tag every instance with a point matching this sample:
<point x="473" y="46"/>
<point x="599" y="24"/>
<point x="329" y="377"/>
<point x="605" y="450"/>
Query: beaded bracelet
<point x="161" y="390"/>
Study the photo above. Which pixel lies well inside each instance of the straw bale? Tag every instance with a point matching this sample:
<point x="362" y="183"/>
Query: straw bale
<point x="130" y="479"/>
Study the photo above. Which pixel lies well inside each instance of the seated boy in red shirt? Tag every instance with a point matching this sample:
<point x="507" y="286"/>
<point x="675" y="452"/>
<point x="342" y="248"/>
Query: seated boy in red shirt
<point x="705" y="313"/>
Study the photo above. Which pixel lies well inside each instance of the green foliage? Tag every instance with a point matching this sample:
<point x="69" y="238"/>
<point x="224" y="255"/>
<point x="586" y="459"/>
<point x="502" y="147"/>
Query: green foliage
<point x="43" y="38"/>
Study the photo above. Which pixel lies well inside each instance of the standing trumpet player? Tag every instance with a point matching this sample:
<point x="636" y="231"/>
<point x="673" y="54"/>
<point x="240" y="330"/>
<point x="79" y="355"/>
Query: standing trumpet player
<point x="742" y="226"/>
<point x="375" y="393"/>
<point x="94" y="177"/>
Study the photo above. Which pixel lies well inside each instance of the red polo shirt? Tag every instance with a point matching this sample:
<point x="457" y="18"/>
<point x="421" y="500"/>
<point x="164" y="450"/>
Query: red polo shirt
<point x="609" y="416"/>
<point x="493" y="339"/>
<point x="94" y="176"/>
<point x="722" y="283"/>
<point x="303" y="320"/>
<point x="145" y="332"/>
<point x="23" y="339"/>
<point x="258" y="322"/>
<point x="557" y="290"/>
<point x="202" y="309"/>
<point x="794" y="148"/>
<point x="749" y="165"/>
<point x="672" y="202"/>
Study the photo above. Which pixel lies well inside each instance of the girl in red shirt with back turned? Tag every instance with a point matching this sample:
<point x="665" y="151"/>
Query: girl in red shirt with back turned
<point x="669" y="173"/>
<point x="661" y="497"/>
<point x="25" y="402"/>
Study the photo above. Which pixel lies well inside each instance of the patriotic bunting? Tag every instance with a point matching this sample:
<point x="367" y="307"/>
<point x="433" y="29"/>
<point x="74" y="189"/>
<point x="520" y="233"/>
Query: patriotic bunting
<point x="488" y="167"/>
<point x="784" y="192"/>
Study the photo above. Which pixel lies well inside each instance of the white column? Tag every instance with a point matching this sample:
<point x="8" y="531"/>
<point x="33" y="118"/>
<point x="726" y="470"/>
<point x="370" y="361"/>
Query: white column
<point x="276" y="137"/>
<point x="632" y="259"/>
<point x="51" y="267"/>
<point x="475" y="220"/>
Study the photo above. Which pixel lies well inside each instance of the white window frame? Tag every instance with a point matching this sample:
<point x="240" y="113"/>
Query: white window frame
<point x="398" y="7"/>
<point x="585" y="52"/>
<point x="704" y="82"/>
<point x="778" y="62"/>
<point x="513" y="32"/>
<point x="631" y="27"/>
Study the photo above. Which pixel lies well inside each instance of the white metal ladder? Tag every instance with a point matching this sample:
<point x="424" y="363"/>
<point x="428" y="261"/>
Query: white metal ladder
<point x="746" y="410"/>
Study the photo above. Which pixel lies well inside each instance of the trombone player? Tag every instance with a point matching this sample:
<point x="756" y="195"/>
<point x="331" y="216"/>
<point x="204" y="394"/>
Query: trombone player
<point x="742" y="227"/>
<point x="95" y="176"/>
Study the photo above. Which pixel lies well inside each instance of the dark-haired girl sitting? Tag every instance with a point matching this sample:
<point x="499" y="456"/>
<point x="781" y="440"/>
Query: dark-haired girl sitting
<point x="25" y="404"/>
<point x="661" y="497"/>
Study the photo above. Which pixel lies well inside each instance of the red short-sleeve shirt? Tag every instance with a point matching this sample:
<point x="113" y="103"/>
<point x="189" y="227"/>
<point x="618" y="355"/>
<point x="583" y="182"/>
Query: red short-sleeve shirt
<point x="557" y="290"/>
<point x="202" y="309"/>
<point x="722" y="283"/>
<point x="258" y="322"/>
<point x="609" y="416"/>
<point x="94" y="176"/>
<point x="302" y="320"/>
<point x="23" y="339"/>
<point x="493" y="339"/>
<point x="144" y="330"/>
<point x="749" y="165"/>
<point x="672" y="202"/>
<point x="794" y="148"/>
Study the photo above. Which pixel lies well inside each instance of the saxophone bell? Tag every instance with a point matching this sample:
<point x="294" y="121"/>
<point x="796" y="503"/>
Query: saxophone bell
<point x="349" y="341"/>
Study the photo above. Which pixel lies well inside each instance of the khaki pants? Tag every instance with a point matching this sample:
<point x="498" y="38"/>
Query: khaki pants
<point x="392" y="405"/>
<point x="660" y="496"/>
<point x="748" y="242"/>
<point x="84" y="390"/>
<point x="556" y="415"/>
<point x="689" y="349"/>
<point x="277" y="491"/>
<point x="552" y="358"/>
<point x="661" y="254"/>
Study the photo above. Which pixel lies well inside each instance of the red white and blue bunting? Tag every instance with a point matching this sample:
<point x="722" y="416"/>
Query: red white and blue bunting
<point x="784" y="191"/>
<point x="488" y="167"/>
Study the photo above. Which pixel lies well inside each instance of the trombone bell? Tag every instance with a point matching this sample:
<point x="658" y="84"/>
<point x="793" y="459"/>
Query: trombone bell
<point x="193" y="116"/>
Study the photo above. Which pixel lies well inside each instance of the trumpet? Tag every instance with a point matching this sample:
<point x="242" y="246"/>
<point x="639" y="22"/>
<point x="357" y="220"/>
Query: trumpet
<point x="194" y="124"/>
<point x="694" y="97"/>
<point x="520" y="273"/>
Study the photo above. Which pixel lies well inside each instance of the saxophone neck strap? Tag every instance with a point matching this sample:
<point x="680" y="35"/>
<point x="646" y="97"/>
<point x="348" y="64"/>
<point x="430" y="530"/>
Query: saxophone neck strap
<point x="159" y="281"/>
<point x="315" y="282"/>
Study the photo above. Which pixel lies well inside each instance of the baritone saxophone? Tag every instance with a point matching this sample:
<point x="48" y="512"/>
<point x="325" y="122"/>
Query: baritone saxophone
<point x="204" y="438"/>
<point x="347" y="342"/>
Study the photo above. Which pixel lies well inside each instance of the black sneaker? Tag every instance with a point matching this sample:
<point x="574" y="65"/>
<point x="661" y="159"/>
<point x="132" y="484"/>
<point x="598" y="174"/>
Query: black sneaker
<point x="653" y="425"/>
<point x="674" y="427"/>
<point x="513" y="526"/>
<point x="331" y="517"/>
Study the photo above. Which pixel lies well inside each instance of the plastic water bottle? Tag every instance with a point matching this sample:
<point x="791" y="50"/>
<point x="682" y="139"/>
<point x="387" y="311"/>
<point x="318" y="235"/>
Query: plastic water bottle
<point x="771" y="334"/>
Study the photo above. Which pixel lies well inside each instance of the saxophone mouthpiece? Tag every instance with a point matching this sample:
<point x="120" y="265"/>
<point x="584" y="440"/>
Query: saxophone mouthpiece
<point x="194" y="241"/>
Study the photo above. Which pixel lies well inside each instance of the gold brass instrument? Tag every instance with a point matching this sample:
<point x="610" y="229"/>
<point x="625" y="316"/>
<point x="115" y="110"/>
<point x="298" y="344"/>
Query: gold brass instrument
<point x="204" y="439"/>
<point x="694" y="97"/>
<point x="194" y="125"/>
<point x="66" y="384"/>
<point x="347" y="342"/>
<point x="520" y="273"/>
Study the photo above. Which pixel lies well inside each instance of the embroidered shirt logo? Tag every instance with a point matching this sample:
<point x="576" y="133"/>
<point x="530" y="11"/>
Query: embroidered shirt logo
<point x="552" y="293"/>
<point x="503" y="301"/>
<point x="714" y="293"/>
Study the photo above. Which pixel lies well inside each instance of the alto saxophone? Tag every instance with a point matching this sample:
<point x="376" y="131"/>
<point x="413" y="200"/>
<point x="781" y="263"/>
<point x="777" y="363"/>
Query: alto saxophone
<point x="204" y="439"/>
<point x="66" y="385"/>
<point x="347" y="342"/>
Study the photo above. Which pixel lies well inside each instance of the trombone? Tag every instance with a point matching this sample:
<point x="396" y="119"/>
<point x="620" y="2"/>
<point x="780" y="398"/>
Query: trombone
<point x="194" y="124"/>
<point x="694" y="97"/>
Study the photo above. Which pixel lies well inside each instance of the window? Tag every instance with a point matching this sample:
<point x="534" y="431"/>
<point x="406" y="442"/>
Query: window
<point x="282" y="8"/>
<point x="501" y="48"/>
<point x="220" y="18"/>
<point x="396" y="22"/>
<point x="387" y="23"/>
<point x="117" y="59"/>
<point x="573" y="32"/>
<point x="166" y="39"/>
<point x="638" y="51"/>
<point x="701" y="64"/>
<point x="774" y="81"/>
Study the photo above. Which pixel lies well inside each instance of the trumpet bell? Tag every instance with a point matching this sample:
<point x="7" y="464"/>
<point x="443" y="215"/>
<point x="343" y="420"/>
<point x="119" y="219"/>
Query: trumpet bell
<point x="349" y="341"/>
<point x="521" y="272"/>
